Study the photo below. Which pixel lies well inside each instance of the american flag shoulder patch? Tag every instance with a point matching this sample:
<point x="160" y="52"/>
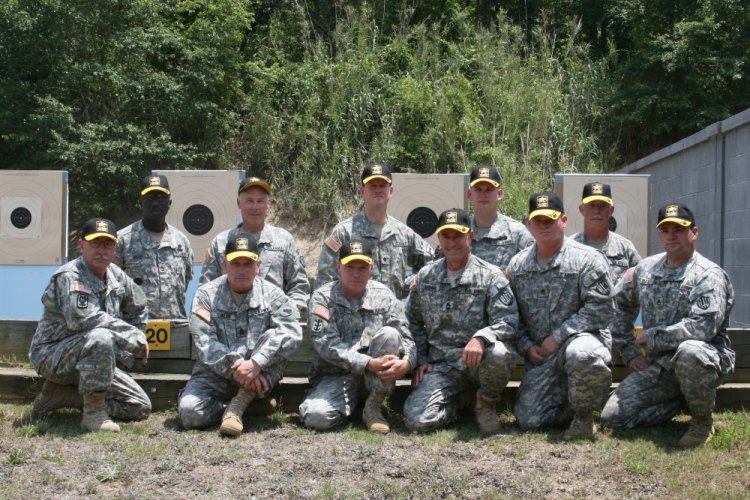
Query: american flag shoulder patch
<point x="204" y="314"/>
<point x="334" y="245"/>
<point x="80" y="287"/>
<point x="323" y="312"/>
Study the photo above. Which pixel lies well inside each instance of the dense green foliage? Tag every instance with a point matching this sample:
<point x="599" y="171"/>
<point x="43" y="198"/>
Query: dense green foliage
<point x="306" y="93"/>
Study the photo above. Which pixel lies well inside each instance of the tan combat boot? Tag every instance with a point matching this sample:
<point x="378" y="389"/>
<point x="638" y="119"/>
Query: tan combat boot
<point x="700" y="432"/>
<point x="231" y="421"/>
<point x="486" y="414"/>
<point x="372" y="415"/>
<point x="582" y="427"/>
<point x="55" y="396"/>
<point x="95" y="417"/>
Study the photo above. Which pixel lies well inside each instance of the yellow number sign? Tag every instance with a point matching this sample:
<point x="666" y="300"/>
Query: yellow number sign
<point x="159" y="335"/>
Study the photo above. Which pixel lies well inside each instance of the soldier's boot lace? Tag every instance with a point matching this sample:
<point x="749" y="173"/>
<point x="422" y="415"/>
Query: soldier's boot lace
<point x="700" y="431"/>
<point x="372" y="414"/>
<point x="582" y="427"/>
<point x="55" y="396"/>
<point x="486" y="414"/>
<point x="231" y="421"/>
<point x="95" y="417"/>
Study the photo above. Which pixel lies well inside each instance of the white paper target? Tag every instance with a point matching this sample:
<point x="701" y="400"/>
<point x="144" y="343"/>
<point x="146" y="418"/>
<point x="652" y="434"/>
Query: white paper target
<point x="630" y="195"/>
<point x="33" y="217"/>
<point x="204" y="203"/>
<point x="418" y="200"/>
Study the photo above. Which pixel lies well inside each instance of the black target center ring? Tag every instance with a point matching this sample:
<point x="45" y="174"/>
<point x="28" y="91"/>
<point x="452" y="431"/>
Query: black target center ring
<point x="612" y="224"/>
<point x="20" y="217"/>
<point x="423" y="221"/>
<point x="198" y="220"/>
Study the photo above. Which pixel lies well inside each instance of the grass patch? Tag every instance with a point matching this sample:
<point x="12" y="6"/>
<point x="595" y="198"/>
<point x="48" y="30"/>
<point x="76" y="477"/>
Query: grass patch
<point x="17" y="457"/>
<point x="111" y="473"/>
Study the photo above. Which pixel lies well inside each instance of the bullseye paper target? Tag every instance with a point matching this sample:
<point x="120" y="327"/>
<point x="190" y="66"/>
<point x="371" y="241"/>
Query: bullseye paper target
<point x="630" y="195"/>
<point x="33" y="217"/>
<point x="204" y="203"/>
<point x="418" y="200"/>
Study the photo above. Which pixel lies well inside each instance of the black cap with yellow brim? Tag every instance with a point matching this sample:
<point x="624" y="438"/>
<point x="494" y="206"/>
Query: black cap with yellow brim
<point x="596" y="191"/>
<point x="355" y="249"/>
<point x="376" y="171"/>
<point x="249" y="182"/>
<point x="455" y="218"/>
<point x="545" y="204"/>
<point x="242" y="245"/>
<point x="155" y="183"/>
<point x="484" y="173"/>
<point x="96" y="228"/>
<point x="679" y="214"/>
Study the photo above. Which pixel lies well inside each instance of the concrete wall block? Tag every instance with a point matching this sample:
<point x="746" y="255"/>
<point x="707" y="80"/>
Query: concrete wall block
<point x="738" y="168"/>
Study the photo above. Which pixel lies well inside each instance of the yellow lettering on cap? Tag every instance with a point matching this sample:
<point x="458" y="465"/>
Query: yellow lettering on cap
<point x="451" y="217"/>
<point x="377" y="170"/>
<point x="672" y="211"/>
<point x="355" y="247"/>
<point x="484" y="172"/>
<point x="154" y="181"/>
<point x="542" y="201"/>
<point x="241" y="243"/>
<point x="102" y="225"/>
<point x="597" y="189"/>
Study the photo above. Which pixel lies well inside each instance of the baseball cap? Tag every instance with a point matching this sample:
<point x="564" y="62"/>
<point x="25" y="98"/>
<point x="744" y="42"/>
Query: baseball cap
<point x="155" y="183"/>
<point x="355" y="250"/>
<point x="249" y="182"/>
<point x="547" y="204"/>
<point x="242" y="245"/>
<point x="594" y="191"/>
<point x="376" y="171"/>
<point x="95" y="228"/>
<point x="455" y="218"/>
<point x="680" y="214"/>
<point x="485" y="173"/>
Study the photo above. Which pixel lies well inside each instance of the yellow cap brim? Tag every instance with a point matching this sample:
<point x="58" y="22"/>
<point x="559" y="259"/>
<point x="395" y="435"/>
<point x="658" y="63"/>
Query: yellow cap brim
<point x="488" y="181"/>
<point x="368" y="179"/>
<point x="242" y="253"/>
<point x="155" y="188"/>
<point x="265" y="186"/>
<point x="597" y="198"/>
<point x="546" y="212"/>
<point x="363" y="258"/>
<point x="682" y="222"/>
<point x="99" y="235"/>
<point x="457" y="227"/>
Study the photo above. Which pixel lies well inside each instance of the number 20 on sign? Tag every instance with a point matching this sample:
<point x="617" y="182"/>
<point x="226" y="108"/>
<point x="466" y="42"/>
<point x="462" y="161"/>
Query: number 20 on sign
<point x="159" y="335"/>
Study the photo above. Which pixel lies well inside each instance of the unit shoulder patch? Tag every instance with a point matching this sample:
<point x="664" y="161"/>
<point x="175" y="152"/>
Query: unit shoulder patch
<point x="204" y="314"/>
<point x="334" y="245"/>
<point x="207" y="256"/>
<point x="323" y="312"/>
<point x="628" y="277"/>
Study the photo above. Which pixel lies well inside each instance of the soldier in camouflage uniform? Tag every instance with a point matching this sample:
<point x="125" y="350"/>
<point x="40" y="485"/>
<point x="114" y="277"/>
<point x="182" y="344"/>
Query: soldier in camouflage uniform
<point x="93" y="322"/>
<point x="282" y="261"/>
<point x="564" y="293"/>
<point x="244" y="328"/>
<point x="464" y="319"/>
<point x="597" y="209"/>
<point x="395" y="245"/>
<point x="362" y="344"/>
<point x="683" y="352"/>
<point x="155" y="255"/>
<point x="497" y="237"/>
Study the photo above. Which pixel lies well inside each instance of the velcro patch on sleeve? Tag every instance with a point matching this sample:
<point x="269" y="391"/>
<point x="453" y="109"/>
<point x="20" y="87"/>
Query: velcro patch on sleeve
<point x="628" y="277"/>
<point x="207" y="257"/>
<point x="334" y="245"/>
<point x="323" y="312"/>
<point x="80" y="287"/>
<point x="204" y="314"/>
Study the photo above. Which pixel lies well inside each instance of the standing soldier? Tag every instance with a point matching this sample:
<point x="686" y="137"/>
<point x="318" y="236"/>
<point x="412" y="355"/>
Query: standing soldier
<point x="564" y="293"/>
<point x="93" y="322"/>
<point x="394" y="244"/>
<point x="155" y="255"/>
<point x="362" y="344"/>
<point x="464" y="319"/>
<point x="283" y="264"/>
<point x="683" y="352"/>
<point x="597" y="209"/>
<point x="244" y="329"/>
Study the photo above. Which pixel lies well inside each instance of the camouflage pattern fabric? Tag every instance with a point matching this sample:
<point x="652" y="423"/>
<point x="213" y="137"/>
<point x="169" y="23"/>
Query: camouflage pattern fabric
<point x="398" y="247"/>
<point x="162" y="270"/>
<point x="87" y="325"/>
<point x="619" y="251"/>
<point x="281" y="262"/>
<point x="264" y="328"/>
<point x="569" y="298"/>
<point x="685" y="318"/>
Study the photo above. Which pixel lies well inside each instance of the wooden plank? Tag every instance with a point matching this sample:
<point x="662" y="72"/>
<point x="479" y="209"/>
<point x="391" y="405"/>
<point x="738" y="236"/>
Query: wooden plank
<point x="182" y="342"/>
<point x="15" y="337"/>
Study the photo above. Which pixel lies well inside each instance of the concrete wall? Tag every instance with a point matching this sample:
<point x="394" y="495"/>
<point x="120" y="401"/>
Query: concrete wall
<point x="710" y="172"/>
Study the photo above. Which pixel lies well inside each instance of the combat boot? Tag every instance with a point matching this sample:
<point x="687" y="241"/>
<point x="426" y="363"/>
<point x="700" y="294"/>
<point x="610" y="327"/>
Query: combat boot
<point x="231" y="421"/>
<point x="582" y="427"/>
<point x="700" y="432"/>
<point x="372" y="415"/>
<point x="95" y="417"/>
<point x="55" y="396"/>
<point x="486" y="414"/>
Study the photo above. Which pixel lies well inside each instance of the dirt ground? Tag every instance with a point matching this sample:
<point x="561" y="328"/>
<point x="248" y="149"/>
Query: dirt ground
<point x="50" y="457"/>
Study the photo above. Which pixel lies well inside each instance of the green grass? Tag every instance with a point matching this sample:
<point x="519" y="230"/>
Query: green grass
<point x="17" y="457"/>
<point x="111" y="473"/>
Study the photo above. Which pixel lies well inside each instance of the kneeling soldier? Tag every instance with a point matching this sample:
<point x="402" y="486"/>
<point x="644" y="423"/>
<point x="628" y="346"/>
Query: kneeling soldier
<point x="362" y="343"/>
<point x="244" y="328"/>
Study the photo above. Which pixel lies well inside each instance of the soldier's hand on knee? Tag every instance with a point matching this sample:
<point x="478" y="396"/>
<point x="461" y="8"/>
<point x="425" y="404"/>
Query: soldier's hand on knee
<point x="419" y="374"/>
<point x="549" y="345"/>
<point x="377" y="364"/>
<point x="473" y="352"/>
<point x="394" y="369"/>
<point x="245" y="372"/>
<point x="534" y="354"/>
<point x="259" y="384"/>
<point x="639" y="363"/>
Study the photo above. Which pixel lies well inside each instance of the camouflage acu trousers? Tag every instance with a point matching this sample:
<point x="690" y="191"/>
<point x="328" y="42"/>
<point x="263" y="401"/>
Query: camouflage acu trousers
<point x="434" y="403"/>
<point x="653" y="396"/>
<point x="335" y="396"/>
<point x="88" y="361"/>
<point x="574" y="378"/>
